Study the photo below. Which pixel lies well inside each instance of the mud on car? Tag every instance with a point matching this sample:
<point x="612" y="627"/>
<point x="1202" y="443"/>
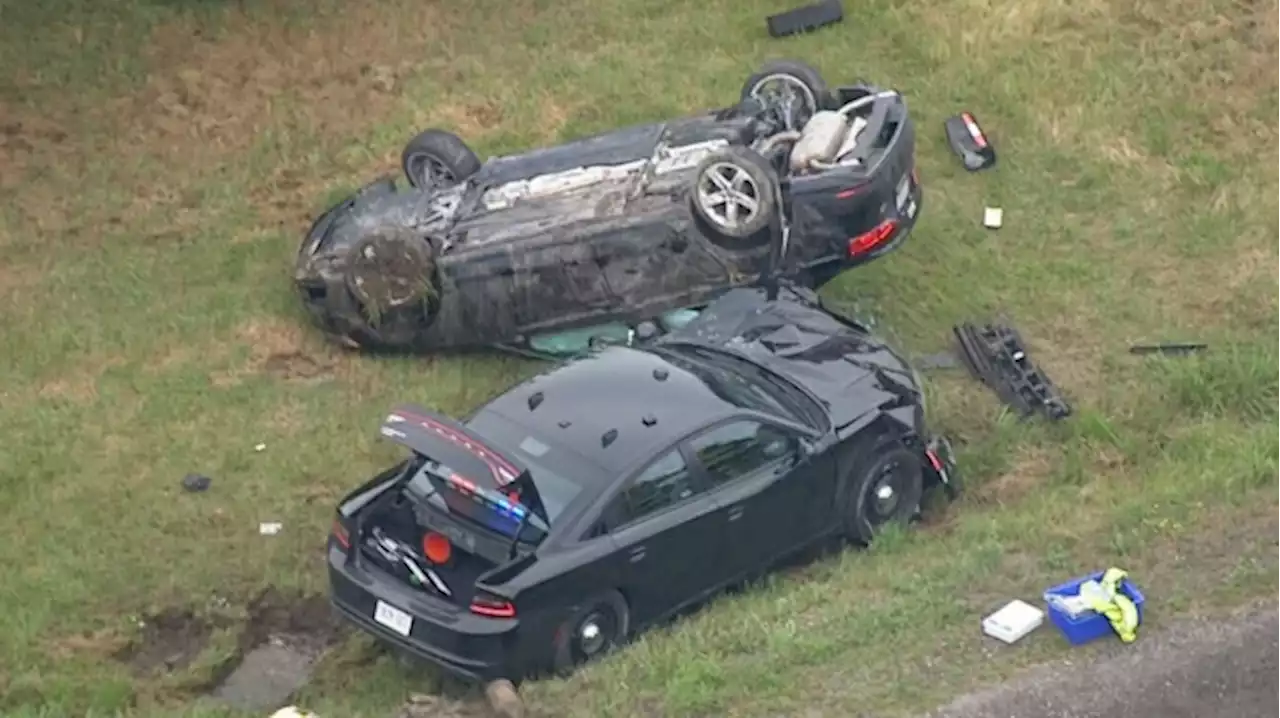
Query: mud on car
<point x="796" y="178"/>
<point x="619" y="487"/>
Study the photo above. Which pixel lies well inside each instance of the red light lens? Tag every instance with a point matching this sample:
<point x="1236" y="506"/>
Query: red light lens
<point x="851" y="191"/>
<point x="436" y="548"/>
<point x="492" y="607"/>
<point x="972" y="125"/>
<point x="340" y="534"/>
<point x="868" y="241"/>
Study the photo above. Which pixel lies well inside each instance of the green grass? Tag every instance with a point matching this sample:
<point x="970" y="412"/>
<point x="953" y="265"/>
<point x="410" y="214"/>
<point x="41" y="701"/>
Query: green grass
<point x="154" y="183"/>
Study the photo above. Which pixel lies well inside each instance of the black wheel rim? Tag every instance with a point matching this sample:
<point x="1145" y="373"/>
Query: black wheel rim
<point x="428" y="172"/>
<point x="886" y="492"/>
<point x="594" y="634"/>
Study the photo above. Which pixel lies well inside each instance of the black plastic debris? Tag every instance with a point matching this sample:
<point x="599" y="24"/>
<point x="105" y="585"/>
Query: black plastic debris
<point x="969" y="142"/>
<point x="997" y="356"/>
<point x="805" y="18"/>
<point x="1168" y="348"/>
<point x="195" y="483"/>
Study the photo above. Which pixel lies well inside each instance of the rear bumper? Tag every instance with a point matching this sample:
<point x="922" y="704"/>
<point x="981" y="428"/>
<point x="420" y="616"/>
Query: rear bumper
<point x="469" y="647"/>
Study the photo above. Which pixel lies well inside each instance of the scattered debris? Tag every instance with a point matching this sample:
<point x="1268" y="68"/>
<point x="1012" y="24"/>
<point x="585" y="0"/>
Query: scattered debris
<point x="969" y="142"/>
<point x="1168" y="348"/>
<point x="997" y="356"/>
<point x="1093" y="606"/>
<point x="260" y="447"/>
<point x="1015" y="620"/>
<point x="196" y="483"/>
<point x="992" y="217"/>
<point x="805" y="18"/>
<point x="270" y="528"/>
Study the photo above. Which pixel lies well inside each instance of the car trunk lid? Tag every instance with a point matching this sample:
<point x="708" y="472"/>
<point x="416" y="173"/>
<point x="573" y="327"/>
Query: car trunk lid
<point x="460" y="510"/>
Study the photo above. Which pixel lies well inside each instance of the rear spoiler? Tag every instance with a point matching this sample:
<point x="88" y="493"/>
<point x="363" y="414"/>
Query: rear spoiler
<point x="477" y="468"/>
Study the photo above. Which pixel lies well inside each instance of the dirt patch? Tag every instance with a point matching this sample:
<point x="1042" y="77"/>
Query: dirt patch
<point x="304" y="618"/>
<point x="283" y="638"/>
<point x="1027" y="472"/>
<point x="170" y="641"/>
<point x="422" y="705"/>
<point x="294" y="365"/>
<point x="104" y="643"/>
<point x="281" y="350"/>
<point x="78" y="384"/>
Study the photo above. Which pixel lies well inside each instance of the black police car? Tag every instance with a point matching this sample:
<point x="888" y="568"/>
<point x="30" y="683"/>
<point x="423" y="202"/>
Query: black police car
<point x="617" y="488"/>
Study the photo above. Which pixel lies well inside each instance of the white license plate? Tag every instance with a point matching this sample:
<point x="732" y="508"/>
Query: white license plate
<point x="393" y="618"/>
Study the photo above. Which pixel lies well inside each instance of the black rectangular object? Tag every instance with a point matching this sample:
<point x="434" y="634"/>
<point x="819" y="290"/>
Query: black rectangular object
<point x="806" y="18"/>
<point x="970" y="143"/>
<point x="997" y="356"/>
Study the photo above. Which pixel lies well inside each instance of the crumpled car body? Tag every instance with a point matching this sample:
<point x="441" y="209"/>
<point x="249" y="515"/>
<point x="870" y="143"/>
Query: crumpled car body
<point x="600" y="230"/>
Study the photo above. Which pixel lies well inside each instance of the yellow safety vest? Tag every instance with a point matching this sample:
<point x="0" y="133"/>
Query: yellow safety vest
<point x="1116" y="606"/>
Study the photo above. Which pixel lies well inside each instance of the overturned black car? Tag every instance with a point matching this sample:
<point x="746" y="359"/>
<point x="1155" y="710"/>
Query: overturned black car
<point x="619" y="487"/>
<point x="796" y="179"/>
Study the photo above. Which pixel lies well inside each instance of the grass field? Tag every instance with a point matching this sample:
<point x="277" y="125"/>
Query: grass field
<point x="160" y="159"/>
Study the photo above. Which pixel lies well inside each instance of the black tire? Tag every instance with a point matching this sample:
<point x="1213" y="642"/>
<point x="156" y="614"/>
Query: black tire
<point x="391" y="274"/>
<point x="739" y="171"/>
<point x="818" y="96"/>
<point x="865" y="511"/>
<point x="436" y="158"/>
<point x="570" y="649"/>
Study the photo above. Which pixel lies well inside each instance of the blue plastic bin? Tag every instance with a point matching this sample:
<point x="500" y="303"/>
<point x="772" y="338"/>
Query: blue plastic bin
<point x="1089" y="626"/>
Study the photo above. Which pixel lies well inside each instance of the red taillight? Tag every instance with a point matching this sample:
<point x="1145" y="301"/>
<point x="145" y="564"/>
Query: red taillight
<point x="492" y="607"/>
<point x="915" y="176"/>
<point x="436" y="548"/>
<point x="851" y="191"/>
<point x="339" y="533"/>
<point x="868" y="241"/>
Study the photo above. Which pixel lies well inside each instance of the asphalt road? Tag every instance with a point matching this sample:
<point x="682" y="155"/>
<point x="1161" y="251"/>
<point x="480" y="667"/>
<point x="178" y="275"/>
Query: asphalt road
<point x="1224" y="668"/>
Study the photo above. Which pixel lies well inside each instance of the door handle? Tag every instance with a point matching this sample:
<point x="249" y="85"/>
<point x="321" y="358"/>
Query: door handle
<point x="637" y="554"/>
<point x="735" y="512"/>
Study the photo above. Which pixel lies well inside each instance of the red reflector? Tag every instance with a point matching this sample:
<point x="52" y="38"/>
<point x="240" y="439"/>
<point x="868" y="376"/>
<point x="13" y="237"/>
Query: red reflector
<point x="933" y="459"/>
<point x="436" y="548"/>
<point x="340" y="533"/>
<point x="492" y="607"/>
<point x="972" y="125"/>
<point x="868" y="241"/>
<point x="850" y="192"/>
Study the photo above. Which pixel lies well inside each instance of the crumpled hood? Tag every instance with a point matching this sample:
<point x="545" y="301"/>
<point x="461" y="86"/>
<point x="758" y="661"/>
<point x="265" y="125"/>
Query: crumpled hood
<point x="851" y="372"/>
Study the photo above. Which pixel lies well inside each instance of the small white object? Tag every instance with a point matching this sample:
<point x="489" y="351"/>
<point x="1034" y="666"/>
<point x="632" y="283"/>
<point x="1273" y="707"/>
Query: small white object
<point x="393" y="618"/>
<point x="1015" y="620"/>
<point x="992" y="217"/>
<point x="259" y="447"/>
<point x="293" y="712"/>
<point x="270" y="528"/>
